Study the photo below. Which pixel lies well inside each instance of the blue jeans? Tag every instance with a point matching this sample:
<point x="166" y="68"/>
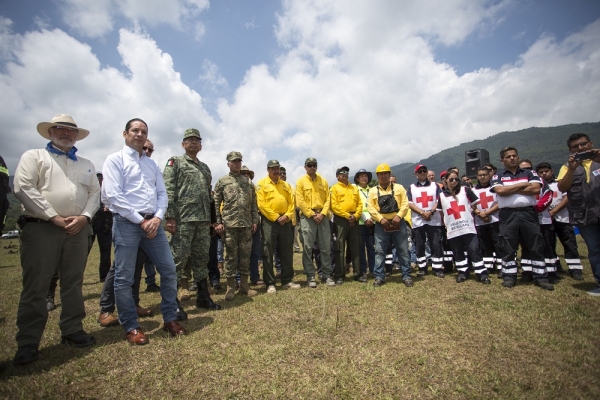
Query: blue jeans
<point x="382" y="240"/>
<point x="127" y="237"/>
<point x="220" y="250"/>
<point x="150" y="272"/>
<point x="591" y="235"/>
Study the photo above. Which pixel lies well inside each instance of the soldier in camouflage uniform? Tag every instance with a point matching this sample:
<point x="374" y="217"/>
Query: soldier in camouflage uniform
<point x="187" y="181"/>
<point x="236" y="222"/>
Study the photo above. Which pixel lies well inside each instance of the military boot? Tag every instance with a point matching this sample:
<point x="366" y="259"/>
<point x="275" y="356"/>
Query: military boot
<point x="184" y="290"/>
<point x="203" y="299"/>
<point x="245" y="287"/>
<point x="230" y="289"/>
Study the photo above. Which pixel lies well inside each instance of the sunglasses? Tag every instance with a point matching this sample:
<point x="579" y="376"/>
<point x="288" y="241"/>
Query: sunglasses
<point x="452" y="179"/>
<point x="421" y="171"/>
<point x="148" y="149"/>
<point x="244" y="172"/>
<point x="64" y="128"/>
<point x="311" y="165"/>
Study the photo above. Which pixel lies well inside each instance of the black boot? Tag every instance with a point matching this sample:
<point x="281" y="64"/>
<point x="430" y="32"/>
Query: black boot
<point x="180" y="314"/>
<point x="203" y="299"/>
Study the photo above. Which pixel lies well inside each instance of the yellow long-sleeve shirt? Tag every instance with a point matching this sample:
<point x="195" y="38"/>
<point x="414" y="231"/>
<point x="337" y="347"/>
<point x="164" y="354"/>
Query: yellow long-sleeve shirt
<point x="275" y="199"/>
<point x="312" y="195"/>
<point x="345" y="200"/>
<point x="399" y="195"/>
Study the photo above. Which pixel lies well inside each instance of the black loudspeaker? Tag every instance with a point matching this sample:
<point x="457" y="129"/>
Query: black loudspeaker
<point x="475" y="159"/>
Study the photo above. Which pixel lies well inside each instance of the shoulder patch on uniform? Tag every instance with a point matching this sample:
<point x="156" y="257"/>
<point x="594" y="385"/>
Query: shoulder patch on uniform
<point x="170" y="162"/>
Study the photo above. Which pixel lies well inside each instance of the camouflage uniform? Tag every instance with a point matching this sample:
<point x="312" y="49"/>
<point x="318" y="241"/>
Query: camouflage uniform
<point x="188" y="188"/>
<point x="236" y="194"/>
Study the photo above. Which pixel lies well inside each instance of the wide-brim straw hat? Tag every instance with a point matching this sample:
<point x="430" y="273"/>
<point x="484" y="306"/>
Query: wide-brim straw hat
<point x="61" y="120"/>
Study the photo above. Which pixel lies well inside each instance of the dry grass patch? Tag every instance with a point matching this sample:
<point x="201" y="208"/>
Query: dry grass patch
<point x="438" y="339"/>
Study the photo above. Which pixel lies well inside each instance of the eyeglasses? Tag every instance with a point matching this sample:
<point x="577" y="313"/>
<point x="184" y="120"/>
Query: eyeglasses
<point x="452" y="179"/>
<point x="577" y="146"/>
<point x="311" y="165"/>
<point x="148" y="149"/>
<point x="65" y="128"/>
<point x="421" y="171"/>
<point x="244" y="172"/>
<point x="193" y="139"/>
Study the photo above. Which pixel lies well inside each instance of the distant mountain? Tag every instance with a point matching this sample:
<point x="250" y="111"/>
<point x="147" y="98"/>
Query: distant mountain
<point x="537" y="144"/>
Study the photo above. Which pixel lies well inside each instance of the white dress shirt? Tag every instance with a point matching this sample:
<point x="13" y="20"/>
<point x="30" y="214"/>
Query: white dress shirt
<point x="133" y="184"/>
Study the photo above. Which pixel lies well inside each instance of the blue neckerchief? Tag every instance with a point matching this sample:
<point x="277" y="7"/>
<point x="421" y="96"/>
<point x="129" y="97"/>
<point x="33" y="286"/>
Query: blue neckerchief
<point x="70" y="154"/>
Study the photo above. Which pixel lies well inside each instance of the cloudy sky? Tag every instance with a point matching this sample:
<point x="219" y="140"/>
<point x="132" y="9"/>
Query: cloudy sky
<point x="350" y="82"/>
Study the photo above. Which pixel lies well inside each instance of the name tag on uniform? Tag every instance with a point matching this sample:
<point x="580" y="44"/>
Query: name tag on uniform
<point x="596" y="172"/>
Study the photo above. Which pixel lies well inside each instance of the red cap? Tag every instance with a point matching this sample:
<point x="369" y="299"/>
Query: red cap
<point x="443" y="174"/>
<point x="419" y="166"/>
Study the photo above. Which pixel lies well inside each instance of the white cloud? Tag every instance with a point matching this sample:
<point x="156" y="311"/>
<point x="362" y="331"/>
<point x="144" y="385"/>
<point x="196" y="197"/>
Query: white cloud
<point x="96" y="18"/>
<point x="361" y="83"/>
<point x="356" y="84"/>
<point x="89" y="18"/>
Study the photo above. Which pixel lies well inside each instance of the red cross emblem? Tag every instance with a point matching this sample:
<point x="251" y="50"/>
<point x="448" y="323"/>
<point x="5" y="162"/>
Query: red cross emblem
<point x="455" y="209"/>
<point x="424" y="199"/>
<point x="483" y="200"/>
<point x="555" y="194"/>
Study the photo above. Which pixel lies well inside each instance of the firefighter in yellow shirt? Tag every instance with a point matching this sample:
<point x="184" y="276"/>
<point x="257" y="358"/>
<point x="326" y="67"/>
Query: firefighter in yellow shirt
<point x="347" y="208"/>
<point x="312" y="197"/>
<point x="275" y="200"/>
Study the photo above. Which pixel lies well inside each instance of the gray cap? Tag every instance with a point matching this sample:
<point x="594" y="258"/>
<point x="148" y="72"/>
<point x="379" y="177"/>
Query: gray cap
<point x="234" y="155"/>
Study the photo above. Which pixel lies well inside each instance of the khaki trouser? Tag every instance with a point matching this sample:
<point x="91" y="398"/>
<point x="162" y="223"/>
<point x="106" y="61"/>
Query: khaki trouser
<point x="46" y="248"/>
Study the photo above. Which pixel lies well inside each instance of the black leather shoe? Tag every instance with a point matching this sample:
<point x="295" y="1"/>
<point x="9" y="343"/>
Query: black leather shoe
<point x="508" y="283"/>
<point x="461" y="278"/>
<point x="576" y="274"/>
<point x="544" y="284"/>
<point x="26" y="354"/>
<point x="421" y="272"/>
<point x="361" y="278"/>
<point x="440" y="274"/>
<point x="486" y="281"/>
<point x="50" y="303"/>
<point x="78" y="339"/>
<point x="339" y="281"/>
<point x="408" y="282"/>
<point x="153" y="288"/>
<point x="179" y="313"/>
<point x="378" y="282"/>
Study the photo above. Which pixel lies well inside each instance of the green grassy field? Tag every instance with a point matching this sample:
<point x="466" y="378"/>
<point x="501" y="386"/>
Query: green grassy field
<point x="438" y="339"/>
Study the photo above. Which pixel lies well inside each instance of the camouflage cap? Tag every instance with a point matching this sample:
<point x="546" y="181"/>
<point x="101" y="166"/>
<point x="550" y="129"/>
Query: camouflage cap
<point x="310" y="160"/>
<point x="245" y="168"/>
<point x="273" y="163"/>
<point x="234" y="155"/>
<point x="192" y="132"/>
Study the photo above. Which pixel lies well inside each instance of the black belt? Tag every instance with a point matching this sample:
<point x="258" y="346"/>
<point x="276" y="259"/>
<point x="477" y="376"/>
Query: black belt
<point x="144" y="215"/>
<point x="528" y="208"/>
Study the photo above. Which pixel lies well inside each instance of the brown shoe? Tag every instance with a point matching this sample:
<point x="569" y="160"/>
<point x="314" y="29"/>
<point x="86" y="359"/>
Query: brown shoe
<point x="174" y="328"/>
<point x="137" y="337"/>
<point x="143" y="312"/>
<point x="106" y="320"/>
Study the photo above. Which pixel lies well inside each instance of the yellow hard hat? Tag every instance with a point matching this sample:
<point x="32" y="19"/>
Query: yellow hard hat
<point x="383" y="168"/>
